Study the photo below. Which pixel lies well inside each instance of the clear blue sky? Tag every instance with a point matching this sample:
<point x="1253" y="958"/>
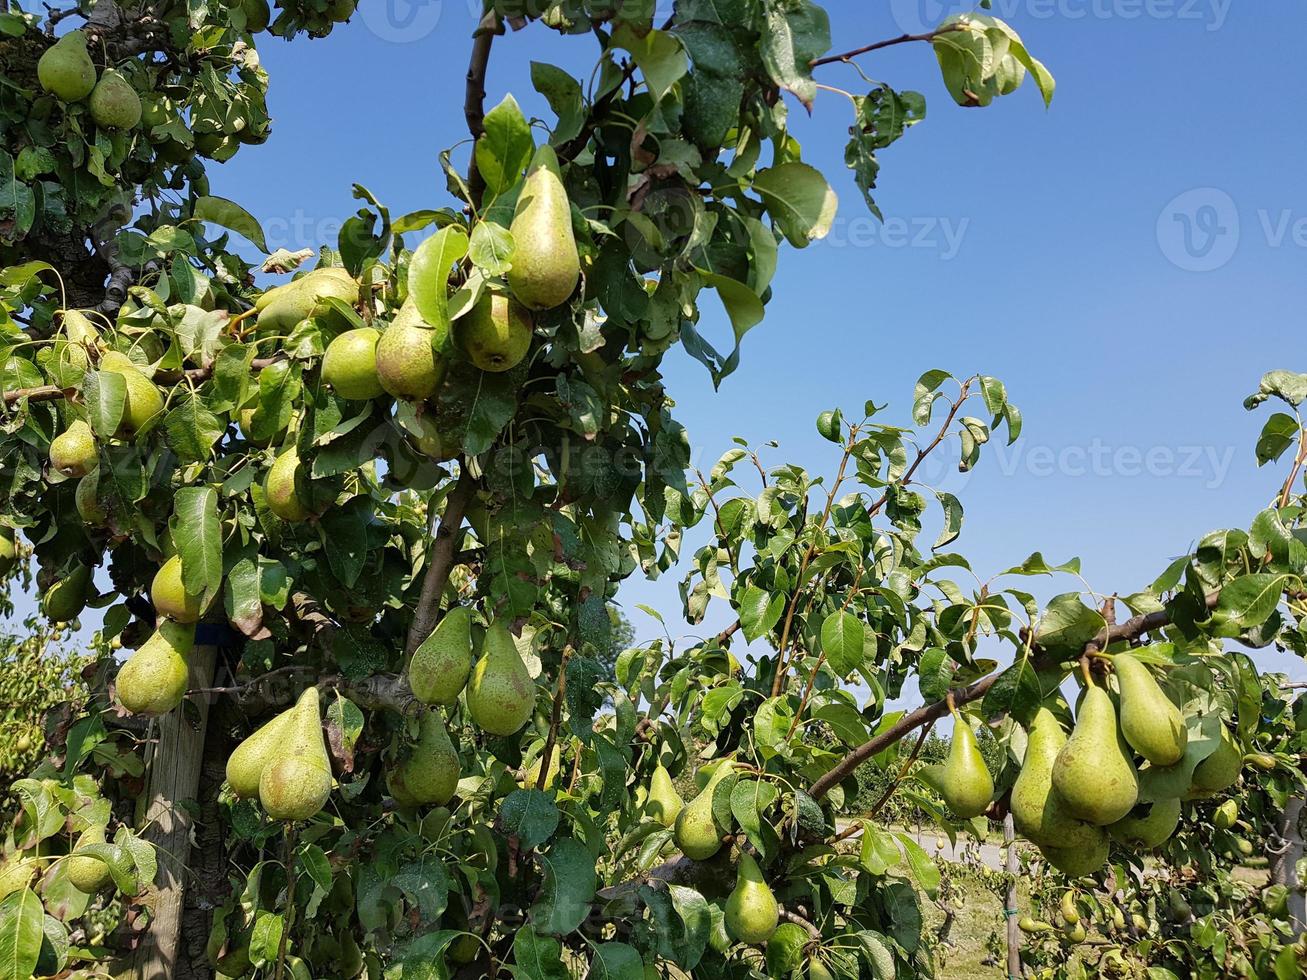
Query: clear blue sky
<point x="1032" y="252"/>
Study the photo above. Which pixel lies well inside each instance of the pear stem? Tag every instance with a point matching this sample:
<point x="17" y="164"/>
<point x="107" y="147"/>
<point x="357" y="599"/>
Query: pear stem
<point x="1084" y="669"/>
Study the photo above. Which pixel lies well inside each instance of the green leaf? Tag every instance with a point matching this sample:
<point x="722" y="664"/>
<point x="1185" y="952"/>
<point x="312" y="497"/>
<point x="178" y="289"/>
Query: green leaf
<point x="243" y="604"/>
<point x="192" y="430"/>
<point x="20" y="934"/>
<point x="265" y="937"/>
<point x="569" y="885"/>
<point x="491" y="248"/>
<point x="749" y="802"/>
<point x="799" y="200"/>
<point x="1016" y="691"/>
<point x="530" y="815"/>
<point x="230" y="215"/>
<point x="1250" y="599"/>
<point x="105" y="395"/>
<point x="759" y="612"/>
<point x="843" y="641"/>
<point x="197" y="533"/>
<point x="692" y="908"/>
<point x="505" y="148"/>
<point x="537" y="957"/>
<point x="616" y="961"/>
<point x="795" y="35"/>
<point x="1278" y="434"/>
<point x="563" y="93"/>
<point x="428" y="276"/>
<point x="1068" y="622"/>
<point x="923" y="868"/>
<point x="660" y="56"/>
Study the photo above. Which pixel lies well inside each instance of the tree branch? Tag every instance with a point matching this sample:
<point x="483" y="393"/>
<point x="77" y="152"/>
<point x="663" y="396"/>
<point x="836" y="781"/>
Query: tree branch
<point x="474" y="97"/>
<point x="441" y="563"/>
<point x="1131" y="629"/>
<point x="963" y="395"/>
<point x="560" y="690"/>
<point x="45" y="393"/>
<point x="877" y="45"/>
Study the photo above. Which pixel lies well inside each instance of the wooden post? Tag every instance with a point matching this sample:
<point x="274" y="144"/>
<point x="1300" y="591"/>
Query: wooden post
<point x="1284" y="864"/>
<point x="1010" y="905"/>
<point x="174" y="778"/>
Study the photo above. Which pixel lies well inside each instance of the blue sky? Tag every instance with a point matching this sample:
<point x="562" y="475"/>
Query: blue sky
<point x="1044" y="247"/>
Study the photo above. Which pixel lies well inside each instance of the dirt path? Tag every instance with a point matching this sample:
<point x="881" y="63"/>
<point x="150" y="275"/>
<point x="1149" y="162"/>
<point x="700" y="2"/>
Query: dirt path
<point x="990" y="854"/>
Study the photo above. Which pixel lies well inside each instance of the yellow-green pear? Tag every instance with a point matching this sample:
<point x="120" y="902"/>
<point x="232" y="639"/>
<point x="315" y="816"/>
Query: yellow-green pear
<point x="785" y="949"/>
<point x="65" y="70"/>
<point x="751" y="909"/>
<point x="65" y="599"/>
<point x="143" y="401"/>
<point x="8" y="550"/>
<point x="1225" y="815"/>
<point x="15" y="873"/>
<point x="1076" y="862"/>
<point x="170" y="597"/>
<point x="350" y="364"/>
<point x="407" y="363"/>
<point x="496" y="333"/>
<point x="85" y="873"/>
<point x="818" y="970"/>
<point x="964" y="781"/>
<point x="1070" y="914"/>
<point x="296" y="781"/>
<point x="696" y="832"/>
<point x="1219" y="770"/>
<point x="1150" y="721"/>
<point x="280" y="491"/>
<point x="114" y="103"/>
<point x="664" y="803"/>
<point x="440" y="667"/>
<point x="73" y="452"/>
<point x="1038" y="813"/>
<point x="429" y="775"/>
<point x="87" y="499"/>
<point x="246" y="764"/>
<point x="154" y="679"/>
<point x="501" y="694"/>
<point x="285" y="307"/>
<point x="246" y="420"/>
<point x="1148" y="825"/>
<point x="531" y="777"/>
<point x="1094" y="776"/>
<point x="546" y="265"/>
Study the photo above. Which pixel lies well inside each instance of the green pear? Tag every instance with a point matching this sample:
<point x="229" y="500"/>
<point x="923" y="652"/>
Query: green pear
<point x="285" y="307"/>
<point x="1148" y="825"/>
<point x="429" y="775"/>
<point x="87" y="499"/>
<point x="246" y="419"/>
<point x="407" y="363"/>
<point x="246" y="764"/>
<point x="1219" y="770"/>
<point x="15" y="874"/>
<point x="1225" y="815"/>
<point x="154" y="679"/>
<point x="496" y="333"/>
<point x="431" y="443"/>
<point x="531" y="777"/>
<point x="965" y="782"/>
<point x="350" y="364"/>
<point x="85" y="873"/>
<point x="1038" y="813"/>
<point x="296" y="781"/>
<point x="785" y="949"/>
<point x="751" y="909"/>
<point x="440" y="667"/>
<point x="1150" y="721"/>
<point x="1094" y="776"/>
<point x="143" y="399"/>
<point x="170" y="597"/>
<point x="501" y="694"/>
<point x="696" y="831"/>
<point x="65" y="599"/>
<point x="664" y="803"/>
<point x="8" y="550"/>
<point x="1076" y="862"/>
<point x="280" y="491"/>
<point x="817" y="970"/>
<point x="546" y="265"/>
<point x="114" y="103"/>
<point x="65" y="70"/>
<point x="73" y="452"/>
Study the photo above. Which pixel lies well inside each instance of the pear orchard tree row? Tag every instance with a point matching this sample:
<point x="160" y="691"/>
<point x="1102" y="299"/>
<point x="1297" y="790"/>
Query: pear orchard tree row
<point x="359" y="534"/>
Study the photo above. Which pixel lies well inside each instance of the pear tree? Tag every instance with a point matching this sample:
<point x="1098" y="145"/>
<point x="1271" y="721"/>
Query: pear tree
<point x="358" y="533"/>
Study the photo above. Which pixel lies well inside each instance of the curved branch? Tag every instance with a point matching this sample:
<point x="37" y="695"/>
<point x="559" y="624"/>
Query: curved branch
<point x="474" y="97"/>
<point x="877" y="45"/>
<point x="45" y="393"/>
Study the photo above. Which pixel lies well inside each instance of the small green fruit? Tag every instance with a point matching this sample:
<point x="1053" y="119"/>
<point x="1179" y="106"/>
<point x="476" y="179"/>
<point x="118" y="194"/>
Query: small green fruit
<point x="1219" y="770"/>
<point x="1076" y="862"/>
<point x="280" y="490"/>
<point x="965" y="782"/>
<point x="143" y="402"/>
<point x="440" y="667"/>
<point x="1150" y="721"/>
<point x="296" y="782"/>
<point x="751" y="909"/>
<point x="87" y="499"/>
<point x="1225" y="815"/>
<point x="546" y="265"/>
<point x="170" y="597"/>
<point x="407" y="363"/>
<point x="785" y="949"/>
<point x="350" y="364"/>
<point x="154" y="679"/>
<point x="245" y="765"/>
<point x="1149" y="825"/>
<point x="65" y="70"/>
<point x="65" y="599"/>
<point x="15" y="873"/>
<point x="501" y="694"/>
<point x="696" y="831"/>
<point x="8" y="550"/>
<point x="88" y="874"/>
<point x="429" y="775"/>
<point x="114" y="103"/>
<point x="1093" y="776"/>
<point x="495" y="333"/>
<point x="664" y="803"/>
<point x="73" y="452"/>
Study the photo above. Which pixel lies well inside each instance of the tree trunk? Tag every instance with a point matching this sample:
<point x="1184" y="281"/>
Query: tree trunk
<point x="1284" y="865"/>
<point x="1010" y="905"/>
<point x="174" y="779"/>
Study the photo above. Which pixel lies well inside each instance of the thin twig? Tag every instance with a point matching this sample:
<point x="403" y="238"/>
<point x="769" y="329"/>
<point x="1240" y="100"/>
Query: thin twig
<point x="717" y="517"/>
<point x="877" y="45"/>
<point x="560" y="690"/>
<point x="290" y="901"/>
<point x="1287" y="492"/>
<point x="963" y="395"/>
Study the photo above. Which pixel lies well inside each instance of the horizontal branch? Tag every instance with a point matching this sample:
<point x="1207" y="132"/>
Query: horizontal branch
<point x="877" y="45"/>
<point x="45" y="393"/>
<point x="1131" y="629"/>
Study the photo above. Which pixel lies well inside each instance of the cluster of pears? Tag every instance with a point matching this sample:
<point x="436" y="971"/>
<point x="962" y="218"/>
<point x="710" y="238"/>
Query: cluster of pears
<point x="74" y="452"/>
<point x="284" y="763"/>
<point x="1074" y="794"/>
<point x="500" y="693"/>
<point x="67" y="72"/>
<point x="1073" y="926"/>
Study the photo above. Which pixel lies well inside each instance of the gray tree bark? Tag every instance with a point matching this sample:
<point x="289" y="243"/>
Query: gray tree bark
<point x="1284" y="870"/>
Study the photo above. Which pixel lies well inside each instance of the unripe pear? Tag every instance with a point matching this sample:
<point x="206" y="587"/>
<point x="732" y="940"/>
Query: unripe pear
<point x="73" y="452"/>
<point x="114" y="103"/>
<point x="1150" y="828"/>
<point x="65" y="70"/>
<point x="296" y="782"/>
<point x="154" y="679"/>
<point x="664" y="803"/>
<point x="1036" y="809"/>
<point x="1094" y="776"/>
<point x="751" y="909"/>
<point x="785" y="949"/>
<point x="246" y="764"/>
<point x="285" y="307"/>
<point x="88" y="874"/>
<point x="546" y="265"/>
<point x="1219" y="770"/>
<point x="965" y="782"/>
<point x="496" y="333"/>
<point x="170" y="597"/>
<point x="501" y="694"/>
<point x="1150" y="721"/>
<point x="1225" y="815"/>
<point x="1076" y="862"/>
<point x="696" y="832"/>
<point x="8" y="550"/>
<point x="350" y="364"/>
<point x="429" y="775"/>
<point x="280" y="491"/>
<point x="440" y="667"/>
<point x="87" y="499"/>
<point x="531" y="778"/>
<point x="143" y="399"/>
<point x="407" y="363"/>
<point x="65" y="599"/>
